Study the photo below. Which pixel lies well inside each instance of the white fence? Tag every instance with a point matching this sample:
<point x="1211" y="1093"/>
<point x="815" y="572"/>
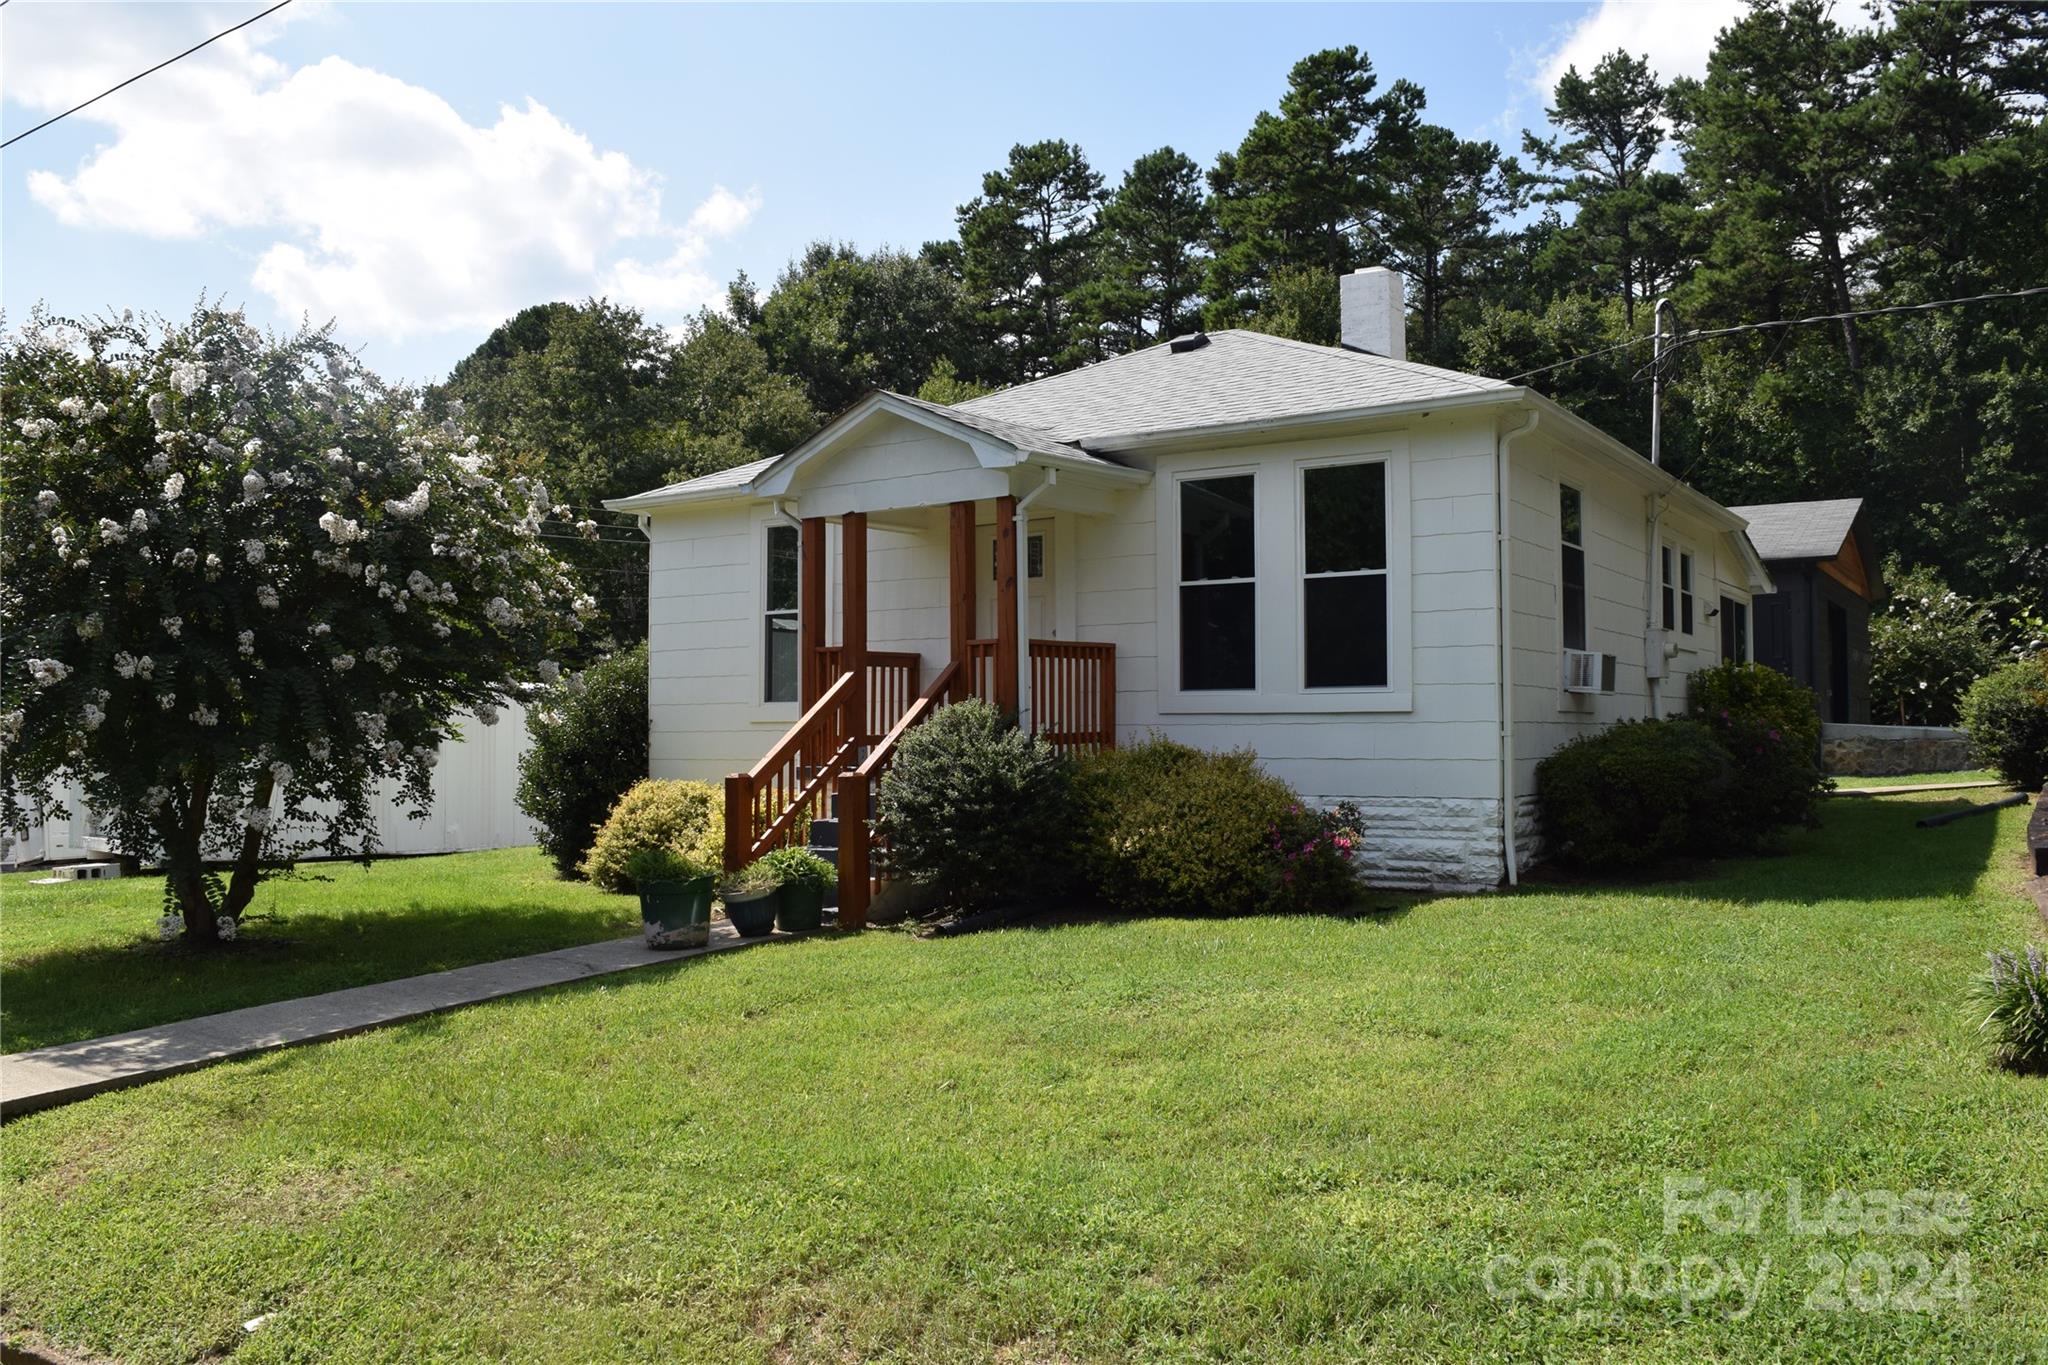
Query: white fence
<point x="474" y="783"/>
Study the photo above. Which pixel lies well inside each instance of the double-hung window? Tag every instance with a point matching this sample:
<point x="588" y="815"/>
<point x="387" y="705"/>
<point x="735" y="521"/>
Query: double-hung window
<point x="1218" y="585"/>
<point x="1344" y="575"/>
<point x="779" y="617"/>
<point x="1678" y="599"/>
<point x="1734" y="631"/>
<point x="1571" y="535"/>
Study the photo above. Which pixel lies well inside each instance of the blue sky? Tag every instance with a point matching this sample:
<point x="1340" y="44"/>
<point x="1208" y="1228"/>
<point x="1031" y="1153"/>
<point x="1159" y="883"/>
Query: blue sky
<point x="417" y="172"/>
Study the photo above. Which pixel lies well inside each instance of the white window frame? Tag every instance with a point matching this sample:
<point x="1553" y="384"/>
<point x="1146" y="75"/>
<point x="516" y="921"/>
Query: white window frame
<point x="763" y="712"/>
<point x="768" y="612"/>
<point x="1578" y="490"/>
<point x="1302" y="469"/>
<point x="1279" y="553"/>
<point x="1682" y="555"/>
<point x="1169" y="662"/>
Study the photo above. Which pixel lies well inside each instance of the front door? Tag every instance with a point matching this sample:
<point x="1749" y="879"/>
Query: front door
<point x="1042" y="624"/>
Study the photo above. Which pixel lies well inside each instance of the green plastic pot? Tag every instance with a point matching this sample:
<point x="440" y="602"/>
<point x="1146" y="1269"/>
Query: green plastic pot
<point x="752" y="913"/>
<point x="676" y="914"/>
<point x="803" y="909"/>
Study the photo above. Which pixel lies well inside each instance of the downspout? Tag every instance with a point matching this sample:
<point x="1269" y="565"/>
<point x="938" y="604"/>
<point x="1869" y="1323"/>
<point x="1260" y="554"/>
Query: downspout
<point x="1653" y="639"/>
<point x="1504" y="642"/>
<point x="1023" y="539"/>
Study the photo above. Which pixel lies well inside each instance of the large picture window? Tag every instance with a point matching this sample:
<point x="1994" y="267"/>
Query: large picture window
<point x="1571" y="535"/>
<point x="1218" y="585"/>
<point x="1344" y="575"/>
<point x="779" y="641"/>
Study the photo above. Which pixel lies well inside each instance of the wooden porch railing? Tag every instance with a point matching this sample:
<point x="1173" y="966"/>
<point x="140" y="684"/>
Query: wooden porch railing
<point x="862" y="852"/>
<point x="892" y="684"/>
<point x="780" y="795"/>
<point x="1073" y="689"/>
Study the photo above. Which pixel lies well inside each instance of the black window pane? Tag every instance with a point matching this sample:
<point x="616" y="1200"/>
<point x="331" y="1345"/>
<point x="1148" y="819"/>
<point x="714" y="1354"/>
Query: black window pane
<point x="782" y="563"/>
<point x="1218" y="637"/>
<point x="1344" y="512"/>
<point x="1685" y="613"/>
<point x="781" y="679"/>
<point x="1569" y="517"/>
<point x="1574" y="597"/>
<point x="1216" y="528"/>
<point x="1345" y="627"/>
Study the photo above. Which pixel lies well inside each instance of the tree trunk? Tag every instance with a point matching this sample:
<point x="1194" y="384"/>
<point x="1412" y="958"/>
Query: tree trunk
<point x="242" y="886"/>
<point x="185" y="867"/>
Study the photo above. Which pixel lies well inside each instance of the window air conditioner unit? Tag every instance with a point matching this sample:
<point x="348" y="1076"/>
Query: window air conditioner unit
<point x="1588" y="671"/>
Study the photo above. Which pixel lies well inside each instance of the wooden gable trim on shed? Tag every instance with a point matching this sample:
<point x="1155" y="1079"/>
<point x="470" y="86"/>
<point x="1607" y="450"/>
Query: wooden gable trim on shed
<point x="1848" y="568"/>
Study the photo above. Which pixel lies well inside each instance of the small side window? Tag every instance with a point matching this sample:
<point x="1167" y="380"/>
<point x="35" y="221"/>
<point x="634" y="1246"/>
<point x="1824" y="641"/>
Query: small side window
<point x="1572" y="565"/>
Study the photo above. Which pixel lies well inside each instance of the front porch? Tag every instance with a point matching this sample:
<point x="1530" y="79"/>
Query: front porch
<point x="857" y="703"/>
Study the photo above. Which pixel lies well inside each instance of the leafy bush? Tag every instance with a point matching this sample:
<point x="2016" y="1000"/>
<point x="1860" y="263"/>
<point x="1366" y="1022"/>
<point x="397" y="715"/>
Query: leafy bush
<point x="801" y="867"/>
<point x="2014" y="994"/>
<point x="1770" y="726"/>
<point x="1165" y="828"/>
<point x="661" y="863"/>
<point x="1926" y="647"/>
<point x="975" y="808"/>
<point x="688" y="817"/>
<point x="2006" y="715"/>
<point x="759" y="875"/>
<point x="589" y="746"/>
<point x="1635" y="794"/>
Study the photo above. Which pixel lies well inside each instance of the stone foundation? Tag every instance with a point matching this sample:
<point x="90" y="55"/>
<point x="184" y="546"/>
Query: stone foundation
<point x="1885" y="750"/>
<point x="1421" y="843"/>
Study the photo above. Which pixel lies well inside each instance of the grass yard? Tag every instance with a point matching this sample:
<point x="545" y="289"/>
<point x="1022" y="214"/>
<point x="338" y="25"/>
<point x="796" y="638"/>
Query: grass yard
<point x="1245" y="1140"/>
<point x="82" y="961"/>
<point x="1915" y="779"/>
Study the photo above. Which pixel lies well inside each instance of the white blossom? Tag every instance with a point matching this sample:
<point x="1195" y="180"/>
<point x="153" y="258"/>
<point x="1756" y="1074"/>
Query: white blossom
<point x="174" y="487"/>
<point x="226" y="927"/>
<point x="550" y="671"/>
<point x="409" y="507"/>
<point x="153" y="799"/>
<point x="169" y="926"/>
<point x="35" y="428"/>
<point x="576" y="685"/>
<point x="384" y="656"/>
<point x="499" y="612"/>
<point x="91" y="716"/>
<point x="319" y="629"/>
<point x="281" y="774"/>
<point x="185" y="558"/>
<point x="138" y="522"/>
<point x="442" y="629"/>
<point x="46" y="501"/>
<point x="245" y="644"/>
<point x="344" y="662"/>
<point x="72" y="407"/>
<point x="254" y="817"/>
<point x="203" y="714"/>
<point x="393" y="751"/>
<point x="159" y="408"/>
<point x="111" y="532"/>
<point x="266" y="597"/>
<point x="251" y="448"/>
<point x="213" y="566"/>
<point x="174" y="626"/>
<point x="187" y="376"/>
<point x="318" y="750"/>
<point x="48" y="672"/>
<point x="339" y="529"/>
<point x="90" y="626"/>
<point x="371" y="723"/>
<point x="486" y="713"/>
<point x="167" y="702"/>
<point x="10" y="725"/>
<point x="253" y="550"/>
<point x="252" y="485"/>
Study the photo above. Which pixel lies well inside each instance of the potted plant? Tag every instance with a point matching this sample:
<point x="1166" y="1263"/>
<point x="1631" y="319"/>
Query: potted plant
<point x="805" y="879"/>
<point x="751" y="898"/>
<point x="675" y="897"/>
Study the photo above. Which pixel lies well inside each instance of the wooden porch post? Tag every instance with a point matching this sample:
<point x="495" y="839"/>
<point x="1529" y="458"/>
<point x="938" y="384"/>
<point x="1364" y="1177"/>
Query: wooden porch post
<point x="810" y="612"/>
<point x="1007" y="633"/>
<point x="853" y="618"/>
<point x="960" y="592"/>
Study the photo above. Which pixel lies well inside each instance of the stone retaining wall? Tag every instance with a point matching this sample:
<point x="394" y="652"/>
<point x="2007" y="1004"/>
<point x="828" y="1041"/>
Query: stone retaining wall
<point x="1883" y="750"/>
<point x="1424" y="843"/>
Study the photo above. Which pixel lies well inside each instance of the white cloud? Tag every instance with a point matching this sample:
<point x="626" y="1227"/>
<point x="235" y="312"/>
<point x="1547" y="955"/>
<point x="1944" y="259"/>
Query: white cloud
<point x="1676" y="35"/>
<point x="384" y="206"/>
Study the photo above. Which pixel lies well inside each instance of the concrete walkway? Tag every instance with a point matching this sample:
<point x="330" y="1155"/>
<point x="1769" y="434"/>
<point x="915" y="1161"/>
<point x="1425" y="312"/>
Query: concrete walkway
<point x="1914" y="787"/>
<point x="51" y="1076"/>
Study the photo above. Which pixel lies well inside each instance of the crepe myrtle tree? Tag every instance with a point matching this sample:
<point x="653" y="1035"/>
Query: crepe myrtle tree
<point x="241" y="583"/>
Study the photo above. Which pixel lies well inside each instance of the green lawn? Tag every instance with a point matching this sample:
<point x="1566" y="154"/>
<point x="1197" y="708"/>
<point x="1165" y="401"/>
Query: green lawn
<point x="1244" y="1140"/>
<point x="1913" y="779"/>
<point x="82" y="961"/>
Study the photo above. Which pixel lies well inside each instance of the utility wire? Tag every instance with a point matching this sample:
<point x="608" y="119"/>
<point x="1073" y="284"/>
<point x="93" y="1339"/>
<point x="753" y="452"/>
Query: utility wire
<point x="140" y="74"/>
<point x="1688" y="338"/>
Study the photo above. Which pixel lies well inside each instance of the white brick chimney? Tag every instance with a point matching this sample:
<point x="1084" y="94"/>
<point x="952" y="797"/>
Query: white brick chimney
<point x="1374" y="311"/>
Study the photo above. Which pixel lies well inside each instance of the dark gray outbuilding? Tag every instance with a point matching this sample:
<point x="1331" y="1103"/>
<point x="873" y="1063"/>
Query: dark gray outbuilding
<point x="1816" y="626"/>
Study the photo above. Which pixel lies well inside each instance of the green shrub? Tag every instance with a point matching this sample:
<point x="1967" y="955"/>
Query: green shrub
<point x="688" y="817"/>
<point x="2014" y="995"/>
<point x="759" y="875"/>
<point x="1635" y="794"/>
<point x="976" y="809"/>
<point x="661" y="863"/>
<point x="1169" y="829"/>
<point x="801" y="867"/>
<point x="589" y="746"/>
<point x="1770" y="726"/>
<point x="2006" y="715"/>
<point x="1926" y="647"/>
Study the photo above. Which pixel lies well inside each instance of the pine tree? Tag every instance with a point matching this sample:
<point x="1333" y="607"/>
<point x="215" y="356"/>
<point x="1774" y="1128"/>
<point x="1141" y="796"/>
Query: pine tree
<point x="1446" y="200"/>
<point x="1027" y="245"/>
<point x="1156" y="230"/>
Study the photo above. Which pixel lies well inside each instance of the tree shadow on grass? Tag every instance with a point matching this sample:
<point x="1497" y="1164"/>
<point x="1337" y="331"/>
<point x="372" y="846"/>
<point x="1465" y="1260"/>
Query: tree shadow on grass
<point x="69" y="994"/>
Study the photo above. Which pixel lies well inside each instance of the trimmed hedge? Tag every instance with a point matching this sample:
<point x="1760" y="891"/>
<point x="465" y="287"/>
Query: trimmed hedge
<point x="688" y="817"/>
<point x="1635" y="794"/>
<point x="2006" y="716"/>
<point x="976" y="809"/>
<point x="1770" y="727"/>
<point x="588" y="748"/>
<point x="1169" y="829"/>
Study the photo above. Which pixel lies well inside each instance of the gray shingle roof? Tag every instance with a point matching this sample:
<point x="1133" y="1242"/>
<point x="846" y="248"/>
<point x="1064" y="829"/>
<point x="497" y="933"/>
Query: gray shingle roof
<point x="1800" y="530"/>
<point x="739" y="476"/>
<point x="1030" y="440"/>
<point x="1238" y="377"/>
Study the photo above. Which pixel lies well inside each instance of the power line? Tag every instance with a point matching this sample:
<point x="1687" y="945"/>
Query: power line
<point x="1687" y="338"/>
<point x="140" y="74"/>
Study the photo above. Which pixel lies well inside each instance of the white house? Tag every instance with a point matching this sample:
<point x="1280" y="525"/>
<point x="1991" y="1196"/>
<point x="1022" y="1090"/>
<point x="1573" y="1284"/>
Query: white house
<point x="1401" y="585"/>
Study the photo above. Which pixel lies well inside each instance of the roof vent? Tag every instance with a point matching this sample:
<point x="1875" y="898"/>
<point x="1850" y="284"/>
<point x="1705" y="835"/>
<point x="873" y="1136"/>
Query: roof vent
<point x="1193" y="341"/>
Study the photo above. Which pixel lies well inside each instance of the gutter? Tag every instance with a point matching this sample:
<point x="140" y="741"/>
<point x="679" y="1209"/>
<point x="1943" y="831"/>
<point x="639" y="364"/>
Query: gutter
<point x="1504" y="641"/>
